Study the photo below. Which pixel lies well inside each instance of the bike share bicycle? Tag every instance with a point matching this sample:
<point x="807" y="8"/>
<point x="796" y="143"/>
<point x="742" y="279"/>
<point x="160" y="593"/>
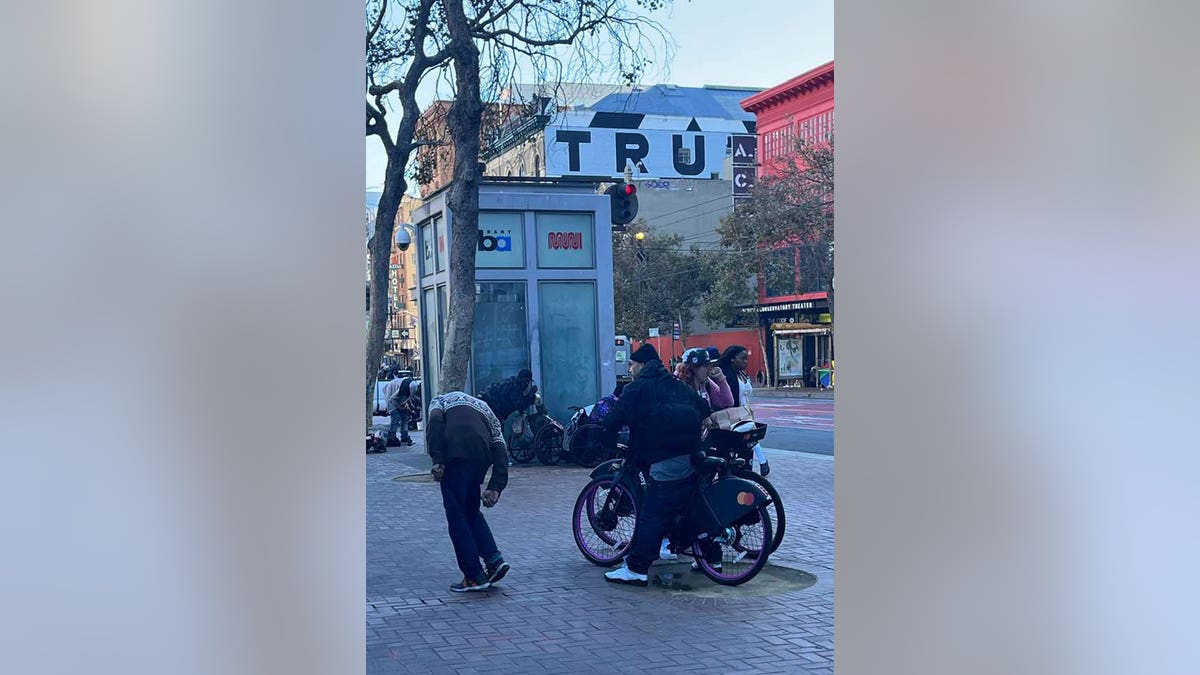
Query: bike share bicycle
<point x="723" y="508"/>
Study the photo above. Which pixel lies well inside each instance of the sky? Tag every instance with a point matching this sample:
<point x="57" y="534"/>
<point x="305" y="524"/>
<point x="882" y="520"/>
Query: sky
<point x="743" y="43"/>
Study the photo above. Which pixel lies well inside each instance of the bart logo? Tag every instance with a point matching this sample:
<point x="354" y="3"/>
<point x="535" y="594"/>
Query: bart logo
<point x="745" y="498"/>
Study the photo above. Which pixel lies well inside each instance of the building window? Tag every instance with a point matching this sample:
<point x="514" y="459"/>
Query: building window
<point x="568" y="346"/>
<point x="500" y="346"/>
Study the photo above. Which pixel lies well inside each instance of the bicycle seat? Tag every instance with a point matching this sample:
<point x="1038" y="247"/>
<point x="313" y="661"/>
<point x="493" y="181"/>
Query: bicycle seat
<point x="575" y="407"/>
<point x="713" y="463"/>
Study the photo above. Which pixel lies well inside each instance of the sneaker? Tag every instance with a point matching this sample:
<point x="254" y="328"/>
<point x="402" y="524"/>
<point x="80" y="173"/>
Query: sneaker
<point x="497" y="573"/>
<point x="665" y="551"/>
<point x="466" y="585"/>
<point x="406" y="441"/>
<point x="624" y="575"/>
<point x="696" y="567"/>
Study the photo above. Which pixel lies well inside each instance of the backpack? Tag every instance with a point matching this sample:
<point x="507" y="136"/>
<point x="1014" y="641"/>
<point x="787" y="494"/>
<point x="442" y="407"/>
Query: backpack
<point x="401" y="393"/>
<point x="602" y="408"/>
<point x="676" y="422"/>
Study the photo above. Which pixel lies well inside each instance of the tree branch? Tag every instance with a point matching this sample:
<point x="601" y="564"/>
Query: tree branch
<point x="378" y="22"/>
<point x="377" y="126"/>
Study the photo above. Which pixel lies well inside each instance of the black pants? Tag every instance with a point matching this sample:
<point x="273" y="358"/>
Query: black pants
<point x="469" y="532"/>
<point x="664" y="500"/>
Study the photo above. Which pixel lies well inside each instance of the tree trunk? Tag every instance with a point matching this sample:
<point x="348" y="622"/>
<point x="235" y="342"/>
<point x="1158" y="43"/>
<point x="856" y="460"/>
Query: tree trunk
<point x="464" y="120"/>
<point x="380" y="253"/>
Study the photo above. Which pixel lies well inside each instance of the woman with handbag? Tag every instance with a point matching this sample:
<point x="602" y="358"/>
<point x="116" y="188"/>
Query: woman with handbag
<point x="733" y="364"/>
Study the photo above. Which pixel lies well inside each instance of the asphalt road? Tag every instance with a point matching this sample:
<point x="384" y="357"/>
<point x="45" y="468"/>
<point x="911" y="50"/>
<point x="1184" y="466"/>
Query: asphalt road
<point x="804" y="425"/>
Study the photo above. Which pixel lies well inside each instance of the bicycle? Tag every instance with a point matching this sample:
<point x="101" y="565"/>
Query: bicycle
<point x="729" y="444"/>
<point x="740" y="444"/>
<point x="723" y="508"/>
<point x="585" y="439"/>
<point x="534" y="435"/>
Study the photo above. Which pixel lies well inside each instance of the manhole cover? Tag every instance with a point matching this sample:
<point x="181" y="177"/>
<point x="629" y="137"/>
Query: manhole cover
<point x="415" y="478"/>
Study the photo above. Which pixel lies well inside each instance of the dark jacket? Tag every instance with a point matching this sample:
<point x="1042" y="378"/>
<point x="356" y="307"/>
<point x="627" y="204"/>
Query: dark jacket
<point x="508" y="396"/>
<point x="735" y="384"/>
<point x="635" y="409"/>
<point x="461" y="428"/>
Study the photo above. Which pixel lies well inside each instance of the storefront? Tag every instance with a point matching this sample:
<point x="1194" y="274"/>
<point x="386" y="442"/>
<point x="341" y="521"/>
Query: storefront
<point x="800" y="339"/>
<point x="543" y="290"/>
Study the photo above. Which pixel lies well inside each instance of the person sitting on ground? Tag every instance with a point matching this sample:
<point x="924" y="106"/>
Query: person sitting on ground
<point x="464" y="440"/>
<point x="664" y="418"/>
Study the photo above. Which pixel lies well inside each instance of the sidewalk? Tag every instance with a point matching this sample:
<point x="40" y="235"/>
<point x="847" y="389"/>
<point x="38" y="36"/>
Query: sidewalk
<point x="554" y="613"/>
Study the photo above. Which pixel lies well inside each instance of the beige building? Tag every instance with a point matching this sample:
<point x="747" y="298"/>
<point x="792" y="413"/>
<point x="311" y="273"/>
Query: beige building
<point x="403" y="338"/>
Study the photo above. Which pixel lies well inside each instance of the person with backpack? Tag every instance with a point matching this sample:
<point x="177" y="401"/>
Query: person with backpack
<point x="510" y="395"/>
<point x="664" y="417"/>
<point x="399" y="394"/>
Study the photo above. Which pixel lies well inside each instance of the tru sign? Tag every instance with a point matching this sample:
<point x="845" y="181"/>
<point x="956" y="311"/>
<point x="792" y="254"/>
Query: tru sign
<point x="655" y="153"/>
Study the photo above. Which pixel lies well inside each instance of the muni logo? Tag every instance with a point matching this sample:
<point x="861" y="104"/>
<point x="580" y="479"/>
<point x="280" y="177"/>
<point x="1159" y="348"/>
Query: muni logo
<point x="565" y="240"/>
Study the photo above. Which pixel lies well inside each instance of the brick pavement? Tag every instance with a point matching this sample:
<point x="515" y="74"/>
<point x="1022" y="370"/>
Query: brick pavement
<point x="554" y="613"/>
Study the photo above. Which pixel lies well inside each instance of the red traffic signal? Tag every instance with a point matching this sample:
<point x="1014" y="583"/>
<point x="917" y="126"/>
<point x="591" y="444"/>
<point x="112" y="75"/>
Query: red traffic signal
<point x="624" y="203"/>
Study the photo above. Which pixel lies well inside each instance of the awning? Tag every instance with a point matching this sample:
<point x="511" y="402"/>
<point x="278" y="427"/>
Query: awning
<point x="802" y="331"/>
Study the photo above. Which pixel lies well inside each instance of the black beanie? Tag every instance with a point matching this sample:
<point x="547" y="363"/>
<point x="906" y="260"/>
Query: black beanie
<point x="644" y="354"/>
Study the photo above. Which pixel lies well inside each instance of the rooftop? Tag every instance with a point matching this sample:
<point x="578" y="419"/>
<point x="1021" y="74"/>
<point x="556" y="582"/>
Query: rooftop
<point x="794" y="87"/>
<point x="675" y="101"/>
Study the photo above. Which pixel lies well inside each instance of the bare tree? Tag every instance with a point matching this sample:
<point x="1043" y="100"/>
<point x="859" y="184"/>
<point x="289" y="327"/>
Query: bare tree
<point x="403" y="44"/>
<point x="491" y="42"/>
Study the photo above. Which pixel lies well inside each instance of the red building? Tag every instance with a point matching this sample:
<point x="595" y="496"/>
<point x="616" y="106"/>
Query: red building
<point x="797" y="320"/>
<point x="795" y="324"/>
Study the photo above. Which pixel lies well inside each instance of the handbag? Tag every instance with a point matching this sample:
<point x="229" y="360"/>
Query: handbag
<point x="728" y="418"/>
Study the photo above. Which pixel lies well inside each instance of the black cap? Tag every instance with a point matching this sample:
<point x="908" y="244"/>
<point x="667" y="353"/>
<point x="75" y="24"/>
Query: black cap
<point x="714" y="354"/>
<point x="644" y="354"/>
<point x="524" y="374"/>
<point x="696" y="356"/>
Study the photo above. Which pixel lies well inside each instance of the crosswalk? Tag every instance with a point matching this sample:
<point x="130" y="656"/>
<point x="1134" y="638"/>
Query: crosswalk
<point x="797" y="414"/>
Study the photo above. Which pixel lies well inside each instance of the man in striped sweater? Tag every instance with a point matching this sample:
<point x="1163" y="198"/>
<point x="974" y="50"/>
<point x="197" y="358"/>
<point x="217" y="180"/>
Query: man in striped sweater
<point x="464" y="440"/>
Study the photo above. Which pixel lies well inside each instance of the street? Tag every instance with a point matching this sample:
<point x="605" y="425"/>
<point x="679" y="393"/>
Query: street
<point x="554" y="613"/>
<point x="801" y="424"/>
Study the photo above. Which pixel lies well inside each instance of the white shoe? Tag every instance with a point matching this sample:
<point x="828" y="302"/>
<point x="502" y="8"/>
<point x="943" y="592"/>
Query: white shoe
<point x="665" y="552"/>
<point x="696" y="567"/>
<point x="624" y="575"/>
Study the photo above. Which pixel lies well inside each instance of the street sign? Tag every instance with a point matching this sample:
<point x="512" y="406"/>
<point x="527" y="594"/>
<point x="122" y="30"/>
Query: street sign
<point x="745" y="149"/>
<point x="653" y="332"/>
<point x="404" y="334"/>
<point x="675" y="332"/>
<point x="743" y="180"/>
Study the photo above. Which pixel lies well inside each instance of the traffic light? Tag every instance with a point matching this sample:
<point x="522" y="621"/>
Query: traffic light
<point x="624" y="202"/>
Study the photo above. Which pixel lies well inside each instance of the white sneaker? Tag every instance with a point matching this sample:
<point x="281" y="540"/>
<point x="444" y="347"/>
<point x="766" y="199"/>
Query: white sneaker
<point x="665" y="551"/>
<point x="624" y="575"/>
<point x="696" y="567"/>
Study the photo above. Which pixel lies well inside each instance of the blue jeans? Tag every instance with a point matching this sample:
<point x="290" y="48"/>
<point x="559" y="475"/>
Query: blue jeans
<point x="664" y="500"/>
<point x="469" y="532"/>
<point x="399" y="419"/>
